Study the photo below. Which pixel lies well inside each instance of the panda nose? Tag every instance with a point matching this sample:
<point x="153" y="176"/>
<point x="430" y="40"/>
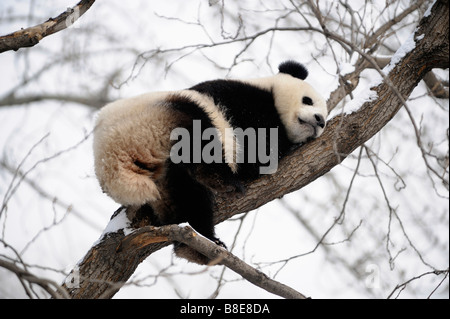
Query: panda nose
<point x="320" y="121"/>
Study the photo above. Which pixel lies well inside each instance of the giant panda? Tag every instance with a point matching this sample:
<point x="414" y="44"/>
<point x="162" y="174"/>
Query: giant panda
<point x="135" y="138"/>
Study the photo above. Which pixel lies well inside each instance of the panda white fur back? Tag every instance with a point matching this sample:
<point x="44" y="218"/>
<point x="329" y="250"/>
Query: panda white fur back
<point x="137" y="130"/>
<point x="132" y="142"/>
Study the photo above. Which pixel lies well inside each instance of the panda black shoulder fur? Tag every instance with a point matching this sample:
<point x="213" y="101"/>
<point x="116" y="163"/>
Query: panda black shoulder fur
<point x="132" y="143"/>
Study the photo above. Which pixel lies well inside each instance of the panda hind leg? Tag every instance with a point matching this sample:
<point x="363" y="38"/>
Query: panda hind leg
<point x="194" y="204"/>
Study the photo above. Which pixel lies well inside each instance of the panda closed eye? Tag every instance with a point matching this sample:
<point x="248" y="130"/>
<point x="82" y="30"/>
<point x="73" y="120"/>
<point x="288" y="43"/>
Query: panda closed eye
<point x="307" y="100"/>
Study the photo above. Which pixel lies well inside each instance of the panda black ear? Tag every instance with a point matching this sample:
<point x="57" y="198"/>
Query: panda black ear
<point x="297" y="70"/>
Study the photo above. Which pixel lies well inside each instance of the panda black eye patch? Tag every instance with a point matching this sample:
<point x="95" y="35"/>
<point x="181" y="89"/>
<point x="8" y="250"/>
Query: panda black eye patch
<point x="307" y="100"/>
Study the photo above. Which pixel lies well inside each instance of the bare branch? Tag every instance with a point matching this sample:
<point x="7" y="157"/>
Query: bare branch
<point x="31" y="36"/>
<point x="402" y="286"/>
<point x="44" y="194"/>
<point x="96" y="101"/>
<point x="148" y="235"/>
<point x="436" y="86"/>
<point x="54" y="289"/>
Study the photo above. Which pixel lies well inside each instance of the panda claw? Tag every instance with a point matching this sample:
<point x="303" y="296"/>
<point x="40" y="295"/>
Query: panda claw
<point x="218" y="242"/>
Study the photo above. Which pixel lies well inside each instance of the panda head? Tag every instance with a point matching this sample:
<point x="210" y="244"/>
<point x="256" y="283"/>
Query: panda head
<point x="302" y="109"/>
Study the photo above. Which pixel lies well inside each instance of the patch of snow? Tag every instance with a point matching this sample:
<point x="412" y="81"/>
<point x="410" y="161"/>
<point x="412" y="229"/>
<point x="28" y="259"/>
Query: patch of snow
<point x="346" y="68"/>
<point x="355" y="104"/>
<point x="187" y="224"/>
<point x="428" y="12"/>
<point x="184" y="225"/>
<point x="420" y="37"/>
<point x="406" y="47"/>
<point x="120" y="221"/>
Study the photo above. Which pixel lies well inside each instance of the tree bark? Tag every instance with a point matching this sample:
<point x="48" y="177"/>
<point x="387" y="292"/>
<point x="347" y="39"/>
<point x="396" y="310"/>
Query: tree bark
<point x="107" y="266"/>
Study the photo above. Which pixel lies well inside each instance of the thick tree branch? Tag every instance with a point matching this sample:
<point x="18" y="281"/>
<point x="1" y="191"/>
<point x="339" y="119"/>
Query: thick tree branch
<point x="105" y="267"/>
<point x="149" y="235"/>
<point x="436" y="86"/>
<point x="31" y="36"/>
<point x="351" y="80"/>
